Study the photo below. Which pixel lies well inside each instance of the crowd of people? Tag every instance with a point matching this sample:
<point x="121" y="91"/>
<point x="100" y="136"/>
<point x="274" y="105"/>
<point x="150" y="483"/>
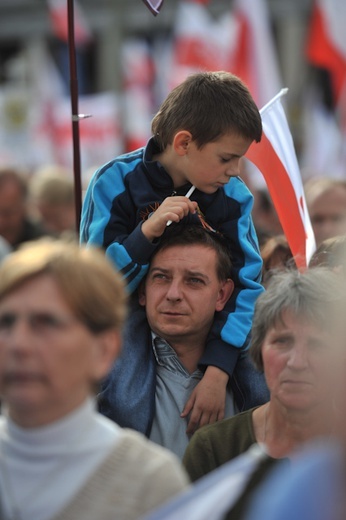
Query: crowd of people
<point x="169" y="360"/>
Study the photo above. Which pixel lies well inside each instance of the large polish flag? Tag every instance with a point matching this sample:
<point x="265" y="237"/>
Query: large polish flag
<point x="326" y="44"/>
<point x="275" y="157"/>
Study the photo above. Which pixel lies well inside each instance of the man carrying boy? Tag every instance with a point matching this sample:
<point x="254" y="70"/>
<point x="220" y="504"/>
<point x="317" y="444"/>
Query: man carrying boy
<point x="201" y="131"/>
<point x="187" y="284"/>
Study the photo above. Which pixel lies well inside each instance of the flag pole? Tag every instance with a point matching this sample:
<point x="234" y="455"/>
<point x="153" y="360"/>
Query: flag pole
<point x="282" y="92"/>
<point x="74" y="111"/>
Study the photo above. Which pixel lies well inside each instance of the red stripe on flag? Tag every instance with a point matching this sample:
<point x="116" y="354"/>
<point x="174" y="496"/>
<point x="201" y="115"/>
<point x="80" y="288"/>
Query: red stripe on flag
<point x="278" y="181"/>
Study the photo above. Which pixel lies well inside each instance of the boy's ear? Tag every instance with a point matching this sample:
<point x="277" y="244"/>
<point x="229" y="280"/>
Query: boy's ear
<point x="181" y="142"/>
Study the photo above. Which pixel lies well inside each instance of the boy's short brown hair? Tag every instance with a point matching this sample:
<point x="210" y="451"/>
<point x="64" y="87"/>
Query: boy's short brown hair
<point x="208" y="105"/>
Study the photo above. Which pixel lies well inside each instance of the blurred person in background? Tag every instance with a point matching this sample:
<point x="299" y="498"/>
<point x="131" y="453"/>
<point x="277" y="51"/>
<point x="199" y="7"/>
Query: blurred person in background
<point x="61" y="313"/>
<point x="265" y="218"/>
<point x="52" y="200"/>
<point x="5" y="248"/>
<point x="331" y="253"/>
<point x="276" y="255"/>
<point x="16" y="225"/>
<point x="326" y="203"/>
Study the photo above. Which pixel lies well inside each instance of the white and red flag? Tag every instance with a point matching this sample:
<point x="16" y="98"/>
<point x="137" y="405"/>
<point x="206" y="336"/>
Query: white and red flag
<point x="276" y="159"/>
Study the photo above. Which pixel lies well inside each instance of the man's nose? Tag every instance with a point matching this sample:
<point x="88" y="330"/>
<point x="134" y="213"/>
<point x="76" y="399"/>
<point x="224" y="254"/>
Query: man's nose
<point x="174" y="291"/>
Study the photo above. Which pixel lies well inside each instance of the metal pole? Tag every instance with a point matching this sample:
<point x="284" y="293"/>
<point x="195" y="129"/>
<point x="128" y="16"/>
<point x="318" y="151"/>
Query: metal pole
<point x="75" y="115"/>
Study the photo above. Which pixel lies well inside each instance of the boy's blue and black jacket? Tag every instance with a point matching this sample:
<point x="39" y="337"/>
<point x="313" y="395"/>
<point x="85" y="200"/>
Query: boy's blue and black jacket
<point x="123" y="193"/>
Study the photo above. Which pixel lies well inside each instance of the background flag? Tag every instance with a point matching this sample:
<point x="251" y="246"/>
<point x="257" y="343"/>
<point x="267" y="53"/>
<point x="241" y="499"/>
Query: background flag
<point x="275" y="157"/>
<point x="326" y="45"/>
<point x="254" y="54"/>
<point x="58" y="13"/>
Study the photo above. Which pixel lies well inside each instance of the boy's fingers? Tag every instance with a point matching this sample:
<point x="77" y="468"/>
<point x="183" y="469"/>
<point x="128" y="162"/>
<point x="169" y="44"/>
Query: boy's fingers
<point x="188" y="407"/>
<point x="193" y="423"/>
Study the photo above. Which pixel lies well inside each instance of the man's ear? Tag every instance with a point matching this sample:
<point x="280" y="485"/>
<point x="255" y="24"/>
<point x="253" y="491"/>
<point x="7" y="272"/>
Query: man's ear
<point x="141" y="294"/>
<point x="181" y="142"/>
<point x="225" y="292"/>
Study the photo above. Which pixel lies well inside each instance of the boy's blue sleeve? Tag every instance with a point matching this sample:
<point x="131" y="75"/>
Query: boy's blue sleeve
<point x="110" y="220"/>
<point x="232" y="326"/>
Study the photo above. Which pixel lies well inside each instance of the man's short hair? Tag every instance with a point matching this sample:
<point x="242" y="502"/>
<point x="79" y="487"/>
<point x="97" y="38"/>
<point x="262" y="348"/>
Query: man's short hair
<point x="194" y="234"/>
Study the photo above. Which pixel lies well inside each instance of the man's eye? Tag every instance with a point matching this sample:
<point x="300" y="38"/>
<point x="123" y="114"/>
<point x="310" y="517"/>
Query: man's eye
<point x="196" y="281"/>
<point x="159" y="276"/>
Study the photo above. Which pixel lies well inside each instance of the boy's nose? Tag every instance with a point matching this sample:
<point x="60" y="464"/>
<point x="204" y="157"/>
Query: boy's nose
<point x="234" y="170"/>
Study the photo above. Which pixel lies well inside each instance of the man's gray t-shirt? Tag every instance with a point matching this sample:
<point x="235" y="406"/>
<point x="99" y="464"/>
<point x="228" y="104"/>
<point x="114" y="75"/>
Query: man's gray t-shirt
<point x="174" y="386"/>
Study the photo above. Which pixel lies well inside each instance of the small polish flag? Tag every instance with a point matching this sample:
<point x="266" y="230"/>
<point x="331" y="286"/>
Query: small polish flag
<point x="275" y="157"/>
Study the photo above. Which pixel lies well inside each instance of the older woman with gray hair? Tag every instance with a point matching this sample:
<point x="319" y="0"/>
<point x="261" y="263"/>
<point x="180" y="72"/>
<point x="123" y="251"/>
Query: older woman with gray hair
<point x="293" y="343"/>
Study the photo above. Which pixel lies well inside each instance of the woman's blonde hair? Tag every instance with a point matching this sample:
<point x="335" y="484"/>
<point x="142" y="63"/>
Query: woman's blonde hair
<point x="92" y="287"/>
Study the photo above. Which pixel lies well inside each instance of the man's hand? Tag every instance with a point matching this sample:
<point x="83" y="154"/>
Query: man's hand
<point x="172" y="208"/>
<point x="207" y="401"/>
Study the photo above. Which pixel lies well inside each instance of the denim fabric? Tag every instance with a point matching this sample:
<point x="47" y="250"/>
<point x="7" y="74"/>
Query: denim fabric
<point x="248" y="384"/>
<point x="128" y="393"/>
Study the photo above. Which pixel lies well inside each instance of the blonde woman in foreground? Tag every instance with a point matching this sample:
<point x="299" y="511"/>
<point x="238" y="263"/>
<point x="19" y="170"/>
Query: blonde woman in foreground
<point x="61" y="312"/>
